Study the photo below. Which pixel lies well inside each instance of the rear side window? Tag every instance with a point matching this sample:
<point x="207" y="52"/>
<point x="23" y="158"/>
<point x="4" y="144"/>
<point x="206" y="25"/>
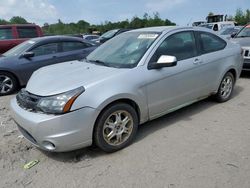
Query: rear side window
<point x="181" y="45"/>
<point x="71" y="46"/>
<point x="211" y="43"/>
<point x="46" y="49"/>
<point x="91" y="37"/>
<point x="6" y="33"/>
<point x="27" y="32"/>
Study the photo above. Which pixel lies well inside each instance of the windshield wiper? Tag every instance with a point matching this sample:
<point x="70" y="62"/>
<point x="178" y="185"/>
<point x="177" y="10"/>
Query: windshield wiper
<point x="242" y="36"/>
<point x="96" y="61"/>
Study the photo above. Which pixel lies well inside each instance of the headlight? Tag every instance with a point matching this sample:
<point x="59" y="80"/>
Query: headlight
<point x="61" y="103"/>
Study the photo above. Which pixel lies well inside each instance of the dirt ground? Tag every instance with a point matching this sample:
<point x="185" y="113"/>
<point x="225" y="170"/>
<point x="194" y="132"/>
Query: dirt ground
<point x="205" y="145"/>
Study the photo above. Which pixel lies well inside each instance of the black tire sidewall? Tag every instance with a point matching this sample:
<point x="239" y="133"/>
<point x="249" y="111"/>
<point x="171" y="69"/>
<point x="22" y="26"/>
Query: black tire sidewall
<point x="98" y="130"/>
<point x="218" y="96"/>
<point x="14" y="81"/>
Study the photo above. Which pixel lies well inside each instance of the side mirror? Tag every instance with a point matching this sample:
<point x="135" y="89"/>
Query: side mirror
<point x="233" y="35"/>
<point x="102" y="40"/>
<point x="28" y="54"/>
<point x="164" y="61"/>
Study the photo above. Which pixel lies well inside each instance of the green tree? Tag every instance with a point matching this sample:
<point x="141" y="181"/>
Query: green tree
<point x="168" y="22"/>
<point x="3" y="22"/>
<point x="247" y="16"/>
<point x="18" y="20"/>
<point x="136" y="23"/>
<point x="240" y="17"/>
<point x="82" y="26"/>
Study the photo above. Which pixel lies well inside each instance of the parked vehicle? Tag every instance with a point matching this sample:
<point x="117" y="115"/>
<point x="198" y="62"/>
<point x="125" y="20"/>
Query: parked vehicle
<point x="75" y="35"/>
<point x="109" y="34"/>
<point x="217" y="26"/>
<point x="195" y="24"/>
<point x="216" y="18"/>
<point x="90" y="37"/>
<point x="243" y="38"/>
<point x="227" y="32"/>
<point x="17" y="64"/>
<point x="135" y="77"/>
<point x="12" y="35"/>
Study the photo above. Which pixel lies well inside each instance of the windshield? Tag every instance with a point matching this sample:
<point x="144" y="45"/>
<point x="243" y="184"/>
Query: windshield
<point x="109" y="34"/>
<point x="123" y="51"/>
<point x="209" y="26"/>
<point x="19" y="49"/>
<point x="228" y="31"/>
<point x="244" y="32"/>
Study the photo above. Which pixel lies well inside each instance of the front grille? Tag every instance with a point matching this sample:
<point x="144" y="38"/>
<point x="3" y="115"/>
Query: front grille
<point x="246" y="65"/>
<point x="27" y="100"/>
<point x="246" y="54"/>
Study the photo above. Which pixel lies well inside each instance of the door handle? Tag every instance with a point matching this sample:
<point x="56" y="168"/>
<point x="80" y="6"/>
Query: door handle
<point x="54" y="57"/>
<point x="197" y="61"/>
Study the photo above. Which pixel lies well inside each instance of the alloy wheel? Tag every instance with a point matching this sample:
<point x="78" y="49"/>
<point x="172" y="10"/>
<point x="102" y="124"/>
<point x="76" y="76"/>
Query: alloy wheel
<point x="118" y="127"/>
<point x="6" y="84"/>
<point x="226" y="87"/>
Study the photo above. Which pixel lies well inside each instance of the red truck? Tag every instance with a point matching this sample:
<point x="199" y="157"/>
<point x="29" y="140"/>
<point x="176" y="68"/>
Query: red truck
<point x="12" y="35"/>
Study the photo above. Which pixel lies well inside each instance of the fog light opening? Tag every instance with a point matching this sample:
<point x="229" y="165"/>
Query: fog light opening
<point x="49" y="145"/>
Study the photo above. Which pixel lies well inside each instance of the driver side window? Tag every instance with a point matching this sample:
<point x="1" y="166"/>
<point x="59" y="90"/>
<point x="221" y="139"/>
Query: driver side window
<point x="181" y="45"/>
<point x="46" y="49"/>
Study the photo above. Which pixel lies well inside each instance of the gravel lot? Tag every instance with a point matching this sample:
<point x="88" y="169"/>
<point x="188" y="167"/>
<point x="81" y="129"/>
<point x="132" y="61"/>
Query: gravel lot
<point x="206" y="145"/>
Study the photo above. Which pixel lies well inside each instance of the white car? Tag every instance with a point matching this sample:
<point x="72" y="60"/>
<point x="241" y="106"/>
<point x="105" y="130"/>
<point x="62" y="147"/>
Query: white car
<point x="217" y="26"/>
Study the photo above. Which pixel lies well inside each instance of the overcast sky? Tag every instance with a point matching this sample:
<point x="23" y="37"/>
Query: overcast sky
<point x="96" y="11"/>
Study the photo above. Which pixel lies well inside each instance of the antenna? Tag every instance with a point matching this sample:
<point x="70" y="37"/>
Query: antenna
<point x="189" y="21"/>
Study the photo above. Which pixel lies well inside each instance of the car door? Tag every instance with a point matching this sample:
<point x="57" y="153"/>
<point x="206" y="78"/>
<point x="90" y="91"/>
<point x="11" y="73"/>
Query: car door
<point x="74" y="50"/>
<point x="173" y="87"/>
<point x="45" y="54"/>
<point x="214" y="56"/>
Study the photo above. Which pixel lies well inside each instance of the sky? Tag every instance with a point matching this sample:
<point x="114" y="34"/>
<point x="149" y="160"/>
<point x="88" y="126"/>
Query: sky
<point x="182" y="12"/>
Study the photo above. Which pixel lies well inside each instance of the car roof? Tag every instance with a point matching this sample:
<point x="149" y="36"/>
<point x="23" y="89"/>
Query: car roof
<point x="165" y="29"/>
<point x="224" y="22"/>
<point x="22" y="25"/>
<point x="57" y="38"/>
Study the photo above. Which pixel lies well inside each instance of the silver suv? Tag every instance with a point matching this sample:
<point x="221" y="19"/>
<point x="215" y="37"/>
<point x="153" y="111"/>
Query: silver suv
<point x="243" y="38"/>
<point x="133" y="78"/>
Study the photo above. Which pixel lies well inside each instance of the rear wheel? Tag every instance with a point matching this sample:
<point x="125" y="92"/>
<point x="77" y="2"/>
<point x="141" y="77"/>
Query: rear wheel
<point x="8" y="83"/>
<point x="116" y="127"/>
<point x="226" y="88"/>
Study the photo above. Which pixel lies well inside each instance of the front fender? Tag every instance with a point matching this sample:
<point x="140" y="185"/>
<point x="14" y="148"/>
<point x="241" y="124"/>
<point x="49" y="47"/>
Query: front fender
<point x="103" y="98"/>
<point x="140" y="102"/>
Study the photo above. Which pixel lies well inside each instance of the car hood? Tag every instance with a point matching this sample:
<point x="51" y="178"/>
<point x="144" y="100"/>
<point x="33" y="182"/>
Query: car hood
<point x="4" y="59"/>
<point x="244" y="42"/>
<point x="59" y="78"/>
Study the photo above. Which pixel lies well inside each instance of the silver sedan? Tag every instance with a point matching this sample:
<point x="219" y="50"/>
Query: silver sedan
<point x="135" y="77"/>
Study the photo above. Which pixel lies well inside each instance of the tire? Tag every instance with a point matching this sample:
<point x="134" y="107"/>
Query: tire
<point x="112" y="132"/>
<point x="8" y="83"/>
<point x="226" y="88"/>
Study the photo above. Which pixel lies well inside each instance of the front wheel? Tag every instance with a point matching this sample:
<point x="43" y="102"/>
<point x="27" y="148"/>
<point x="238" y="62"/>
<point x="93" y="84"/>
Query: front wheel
<point x="226" y="88"/>
<point x="8" y="83"/>
<point x="116" y="127"/>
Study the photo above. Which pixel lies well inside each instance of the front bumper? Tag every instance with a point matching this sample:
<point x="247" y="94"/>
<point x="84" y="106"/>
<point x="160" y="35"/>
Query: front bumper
<point x="63" y="132"/>
<point x="246" y="64"/>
